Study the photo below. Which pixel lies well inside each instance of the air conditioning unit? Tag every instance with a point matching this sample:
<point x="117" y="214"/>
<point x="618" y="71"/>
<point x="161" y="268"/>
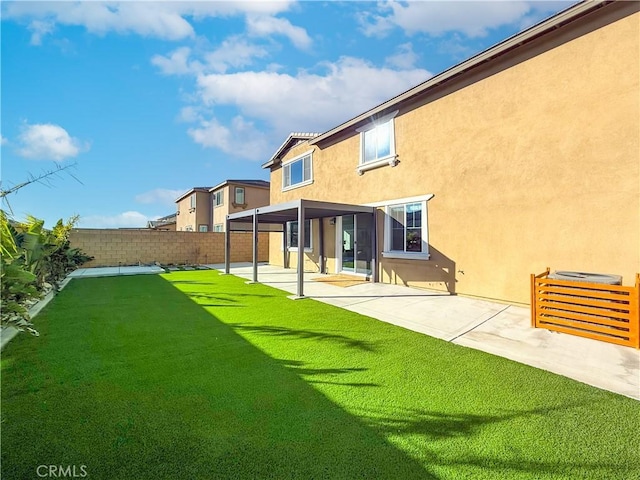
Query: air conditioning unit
<point x="605" y="279"/>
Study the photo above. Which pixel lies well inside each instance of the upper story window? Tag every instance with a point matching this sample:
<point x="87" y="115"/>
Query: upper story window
<point x="377" y="144"/>
<point x="203" y="228"/>
<point x="297" y="172"/>
<point x="193" y="201"/>
<point x="406" y="232"/>
<point x="239" y="195"/>
<point x="218" y="198"/>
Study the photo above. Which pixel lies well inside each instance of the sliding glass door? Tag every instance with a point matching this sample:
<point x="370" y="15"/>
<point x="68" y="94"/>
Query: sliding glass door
<point x="357" y="245"/>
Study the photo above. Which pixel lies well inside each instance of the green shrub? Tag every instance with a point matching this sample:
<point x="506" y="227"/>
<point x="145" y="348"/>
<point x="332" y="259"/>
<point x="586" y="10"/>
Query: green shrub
<point x="34" y="261"/>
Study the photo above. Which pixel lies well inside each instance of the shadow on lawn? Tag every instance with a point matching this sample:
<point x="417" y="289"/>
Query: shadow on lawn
<point x="429" y="427"/>
<point x="112" y="391"/>
<point x="305" y="335"/>
<point x="120" y="387"/>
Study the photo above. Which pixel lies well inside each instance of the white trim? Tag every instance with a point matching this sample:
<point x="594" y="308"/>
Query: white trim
<point x="298" y="157"/>
<point x="377" y="121"/>
<point x="418" y="198"/>
<point x="407" y="255"/>
<point x="391" y="160"/>
<point x="298" y="185"/>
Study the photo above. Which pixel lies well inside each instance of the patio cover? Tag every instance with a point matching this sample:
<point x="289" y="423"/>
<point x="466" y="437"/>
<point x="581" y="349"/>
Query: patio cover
<point x="297" y="210"/>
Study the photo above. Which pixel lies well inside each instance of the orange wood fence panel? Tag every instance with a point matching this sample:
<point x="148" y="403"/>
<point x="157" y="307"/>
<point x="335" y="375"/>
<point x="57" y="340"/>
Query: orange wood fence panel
<point x="610" y="313"/>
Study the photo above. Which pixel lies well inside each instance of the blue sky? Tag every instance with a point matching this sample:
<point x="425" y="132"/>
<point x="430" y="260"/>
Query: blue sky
<point x="149" y="99"/>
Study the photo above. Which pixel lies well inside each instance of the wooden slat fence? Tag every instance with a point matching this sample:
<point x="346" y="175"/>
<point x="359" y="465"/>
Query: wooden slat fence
<point x="610" y="313"/>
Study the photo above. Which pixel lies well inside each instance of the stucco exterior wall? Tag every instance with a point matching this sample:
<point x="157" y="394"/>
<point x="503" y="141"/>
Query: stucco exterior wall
<point x="113" y="247"/>
<point x="253" y="197"/>
<point x="535" y="163"/>
<point x="194" y="217"/>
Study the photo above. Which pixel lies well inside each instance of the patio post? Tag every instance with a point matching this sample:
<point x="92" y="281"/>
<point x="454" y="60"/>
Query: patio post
<point x="255" y="245"/>
<point x="374" y="247"/>
<point x="321" y="245"/>
<point x="285" y="252"/>
<point x="227" y="245"/>
<point x="301" y="249"/>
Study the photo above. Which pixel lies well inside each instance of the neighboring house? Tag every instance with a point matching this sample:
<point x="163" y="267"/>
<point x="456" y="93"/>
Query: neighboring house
<point x="166" y="223"/>
<point x="194" y="210"/>
<point x="526" y="155"/>
<point x="236" y="195"/>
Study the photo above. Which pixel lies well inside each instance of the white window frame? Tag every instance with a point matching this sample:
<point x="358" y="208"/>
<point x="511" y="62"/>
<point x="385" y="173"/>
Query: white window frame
<point x="203" y="230"/>
<point x="235" y="194"/>
<point x="286" y="167"/>
<point x="219" y="195"/>
<point x="392" y="158"/>
<point x="306" y="249"/>
<point x="218" y="228"/>
<point x="387" y="252"/>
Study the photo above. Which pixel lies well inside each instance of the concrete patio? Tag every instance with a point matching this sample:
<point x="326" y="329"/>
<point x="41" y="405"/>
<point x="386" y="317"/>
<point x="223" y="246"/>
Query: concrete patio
<point x="499" y="329"/>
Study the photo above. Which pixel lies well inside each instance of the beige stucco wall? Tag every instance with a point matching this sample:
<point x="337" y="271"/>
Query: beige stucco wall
<point x="112" y="247"/>
<point x="537" y="164"/>
<point x="194" y="217"/>
<point x="253" y="196"/>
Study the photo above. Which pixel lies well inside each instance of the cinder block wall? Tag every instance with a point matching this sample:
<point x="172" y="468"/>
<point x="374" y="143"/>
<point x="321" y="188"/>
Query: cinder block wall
<point x="112" y="247"/>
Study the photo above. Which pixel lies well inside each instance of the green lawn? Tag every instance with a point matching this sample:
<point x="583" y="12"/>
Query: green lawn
<point x="195" y="375"/>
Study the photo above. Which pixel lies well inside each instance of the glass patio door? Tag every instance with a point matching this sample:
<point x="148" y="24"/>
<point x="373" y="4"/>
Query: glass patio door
<point x="357" y="243"/>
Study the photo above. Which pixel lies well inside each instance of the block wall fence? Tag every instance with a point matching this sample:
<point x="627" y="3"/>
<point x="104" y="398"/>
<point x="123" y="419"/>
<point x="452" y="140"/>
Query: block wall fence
<point x="113" y="247"/>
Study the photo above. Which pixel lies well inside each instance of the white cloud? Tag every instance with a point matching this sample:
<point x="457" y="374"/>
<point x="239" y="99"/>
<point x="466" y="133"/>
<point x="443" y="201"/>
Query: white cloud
<point x="166" y="20"/>
<point x="3" y="140"/>
<point x="472" y="18"/>
<point x="240" y="139"/>
<point x="48" y="142"/>
<point x="177" y="62"/>
<point x="233" y="52"/>
<point x="308" y="101"/>
<point x="39" y="29"/>
<point x="404" y="59"/>
<point x="162" y="196"/>
<point x="265" y="26"/>
<point x="130" y="219"/>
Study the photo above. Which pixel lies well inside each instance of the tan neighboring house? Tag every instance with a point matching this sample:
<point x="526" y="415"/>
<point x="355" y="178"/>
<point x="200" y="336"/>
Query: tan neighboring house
<point x="194" y="210"/>
<point x="526" y="155"/>
<point x="233" y="196"/>
<point x="166" y="223"/>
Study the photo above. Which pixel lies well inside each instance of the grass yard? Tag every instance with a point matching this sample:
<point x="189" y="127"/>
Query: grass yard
<point x="195" y="375"/>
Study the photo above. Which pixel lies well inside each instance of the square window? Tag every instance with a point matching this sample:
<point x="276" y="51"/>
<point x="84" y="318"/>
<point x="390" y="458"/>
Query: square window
<point x="406" y="229"/>
<point x="218" y="198"/>
<point x="292" y="234"/>
<point x="297" y="172"/>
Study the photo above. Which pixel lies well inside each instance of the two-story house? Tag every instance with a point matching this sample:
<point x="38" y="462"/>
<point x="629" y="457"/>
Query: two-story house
<point x="524" y="156"/>
<point x="233" y="196"/>
<point x="194" y="210"/>
<point x="204" y="209"/>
